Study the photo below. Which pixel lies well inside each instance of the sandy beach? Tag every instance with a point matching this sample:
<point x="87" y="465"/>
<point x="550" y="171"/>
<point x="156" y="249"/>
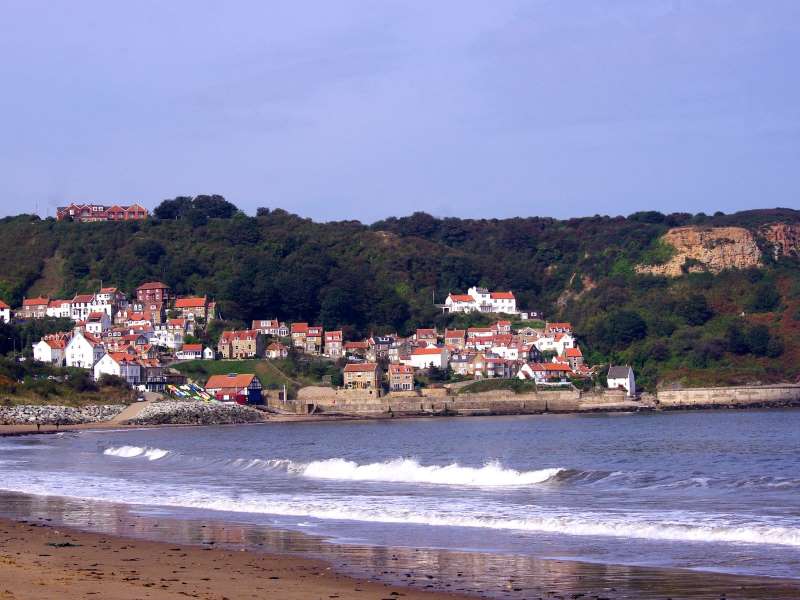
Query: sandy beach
<point x="39" y="562"/>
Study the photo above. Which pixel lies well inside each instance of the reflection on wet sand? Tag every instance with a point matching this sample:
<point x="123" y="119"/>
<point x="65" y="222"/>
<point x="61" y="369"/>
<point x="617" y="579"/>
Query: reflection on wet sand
<point x="477" y="573"/>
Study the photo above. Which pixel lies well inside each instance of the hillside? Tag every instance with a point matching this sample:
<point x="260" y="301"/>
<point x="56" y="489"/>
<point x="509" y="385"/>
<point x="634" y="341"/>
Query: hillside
<point x="665" y="293"/>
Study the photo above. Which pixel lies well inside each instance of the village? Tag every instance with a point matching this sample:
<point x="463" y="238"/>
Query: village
<point x="141" y="339"/>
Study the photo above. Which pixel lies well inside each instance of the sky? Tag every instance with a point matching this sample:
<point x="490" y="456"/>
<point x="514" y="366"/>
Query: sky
<point x="363" y="110"/>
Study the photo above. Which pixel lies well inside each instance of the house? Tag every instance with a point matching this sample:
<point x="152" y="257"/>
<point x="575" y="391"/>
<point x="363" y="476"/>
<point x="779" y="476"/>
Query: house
<point x="97" y="323"/>
<point x="81" y="307"/>
<point x="424" y="358"/>
<point x="50" y="349"/>
<point x="168" y="337"/>
<point x="362" y="376"/>
<point x="33" y="308"/>
<point x="122" y="365"/>
<point x="59" y="309"/>
<point x="357" y="349"/>
<point x="271" y="327"/>
<point x="429" y="336"/>
<point x="242" y="388"/>
<point x="241" y="344"/>
<point x="381" y="345"/>
<point x="299" y="331"/>
<point x="502" y="327"/>
<point x="314" y="340"/>
<point x="545" y="373"/>
<point x="83" y="350"/>
<point x="460" y="363"/>
<point x="401" y="378"/>
<point x="87" y="213"/>
<point x="209" y="353"/>
<point x="573" y="357"/>
<point x="190" y="352"/>
<point x="5" y="312"/>
<point x="455" y="338"/>
<point x="154" y="291"/>
<point x="503" y="302"/>
<point x="193" y="308"/>
<point x="556" y="343"/>
<point x="333" y="344"/>
<point x="276" y="351"/>
<point x="622" y="378"/>
<point x="460" y="303"/>
<point x="551" y="328"/>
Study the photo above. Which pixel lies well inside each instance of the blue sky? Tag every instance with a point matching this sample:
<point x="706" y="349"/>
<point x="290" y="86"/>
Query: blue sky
<point x="361" y="110"/>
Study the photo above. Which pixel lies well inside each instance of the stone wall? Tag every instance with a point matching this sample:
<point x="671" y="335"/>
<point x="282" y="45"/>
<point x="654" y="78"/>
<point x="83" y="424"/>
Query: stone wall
<point x="62" y="415"/>
<point x="730" y="396"/>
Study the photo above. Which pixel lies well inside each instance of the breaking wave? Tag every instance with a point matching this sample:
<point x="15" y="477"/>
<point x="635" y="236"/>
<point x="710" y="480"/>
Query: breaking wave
<point x="406" y="470"/>
<point x="136" y="452"/>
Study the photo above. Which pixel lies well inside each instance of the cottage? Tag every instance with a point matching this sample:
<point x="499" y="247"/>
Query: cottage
<point x="362" y="376"/>
<point x="154" y="291"/>
<point x="424" y="358"/>
<point x="50" y="349"/>
<point x="428" y="336"/>
<point x="59" y="309"/>
<point x="241" y="344"/>
<point x="401" y="378"/>
<point x="120" y="364"/>
<point x="193" y="308"/>
<point x="33" y="308"/>
<point x="209" y="353"/>
<point x="97" y="323"/>
<point x="573" y="357"/>
<point x="242" y="388"/>
<point x="271" y="327"/>
<point x="190" y="352"/>
<point x="299" y="331"/>
<point x="333" y="344"/>
<point x="276" y="351"/>
<point x="622" y="378"/>
<point x="460" y="303"/>
<point x="455" y="338"/>
<point x="83" y="350"/>
<point x="356" y="349"/>
<point x="314" y="340"/>
<point x="5" y="312"/>
<point x="552" y="328"/>
<point x="545" y="373"/>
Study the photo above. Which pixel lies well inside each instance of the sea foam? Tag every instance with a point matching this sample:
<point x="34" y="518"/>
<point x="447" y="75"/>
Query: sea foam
<point x="136" y="452"/>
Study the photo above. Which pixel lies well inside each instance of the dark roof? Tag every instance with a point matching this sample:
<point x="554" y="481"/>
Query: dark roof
<point x="617" y="372"/>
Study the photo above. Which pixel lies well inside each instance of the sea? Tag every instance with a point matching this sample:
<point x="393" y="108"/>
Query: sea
<point x="710" y="491"/>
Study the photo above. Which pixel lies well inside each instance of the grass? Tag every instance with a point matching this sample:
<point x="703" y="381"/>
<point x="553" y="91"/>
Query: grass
<point x="533" y="323"/>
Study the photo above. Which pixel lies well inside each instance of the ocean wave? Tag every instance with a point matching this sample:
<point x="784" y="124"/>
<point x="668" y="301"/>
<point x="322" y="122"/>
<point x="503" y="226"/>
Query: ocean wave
<point x="406" y="470"/>
<point x="136" y="452"/>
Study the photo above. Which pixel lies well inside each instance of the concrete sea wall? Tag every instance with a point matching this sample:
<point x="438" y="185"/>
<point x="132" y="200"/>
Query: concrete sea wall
<point x="762" y="395"/>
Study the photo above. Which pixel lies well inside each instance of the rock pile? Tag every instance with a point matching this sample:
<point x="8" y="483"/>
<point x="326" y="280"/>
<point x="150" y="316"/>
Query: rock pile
<point x="196" y="413"/>
<point x="61" y="415"/>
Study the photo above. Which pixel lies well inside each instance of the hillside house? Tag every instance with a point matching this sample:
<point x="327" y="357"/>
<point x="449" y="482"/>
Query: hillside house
<point x="362" y="376"/>
<point x="50" y="350"/>
<point x="120" y="364"/>
<point x="573" y="357"/>
<point x="241" y="344"/>
<point x="334" y="344"/>
<point x="622" y="378"/>
<point x="460" y="303"/>
<point x="276" y="351"/>
<point x="401" y="378"/>
<point x="154" y="291"/>
<point x="83" y="350"/>
<point x="193" y="308"/>
<point x="89" y="213"/>
<point x="553" y="328"/>
<point x="59" y="309"/>
<point x="427" y="336"/>
<point x="190" y="352"/>
<point x="356" y="349"/>
<point x="424" y="358"/>
<point x="314" y="340"/>
<point x="33" y="308"/>
<point x="242" y="388"/>
<point x="97" y="323"/>
<point x="545" y="373"/>
<point x="299" y="331"/>
<point x="455" y="338"/>
<point x="271" y="327"/>
<point x="5" y="312"/>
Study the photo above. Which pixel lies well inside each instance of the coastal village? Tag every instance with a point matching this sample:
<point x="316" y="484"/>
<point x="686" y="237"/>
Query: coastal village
<point x="140" y="339"/>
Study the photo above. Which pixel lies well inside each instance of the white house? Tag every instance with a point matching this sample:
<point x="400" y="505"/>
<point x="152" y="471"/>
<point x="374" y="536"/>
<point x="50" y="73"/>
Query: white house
<point x="97" y="323"/>
<point x="81" y="306"/>
<point x="622" y="378"/>
<point x="422" y="358"/>
<point x="50" y="351"/>
<point x="557" y="343"/>
<point x="5" y="312"/>
<point x="120" y="364"/>
<point x="493" y="302"/>
<point x="83" y="350"/>
<point x="190" y="352"/>
<point x="460" y="303"/>
<point x="167" y="337"/>
<point x="209" y="353"/>
<point x="59" y="309"/>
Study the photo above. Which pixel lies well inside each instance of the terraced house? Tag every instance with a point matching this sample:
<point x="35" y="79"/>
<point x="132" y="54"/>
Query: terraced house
<point x="241" y="344"/>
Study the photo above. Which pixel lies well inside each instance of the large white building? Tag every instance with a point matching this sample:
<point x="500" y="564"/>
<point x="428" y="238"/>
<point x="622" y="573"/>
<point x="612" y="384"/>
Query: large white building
<point x="423" y="358"/>
<point x="83" y="350"/>
<point x="478" y="299"/>
<point x="50" y="350"/>
<point x="119" y="364"/>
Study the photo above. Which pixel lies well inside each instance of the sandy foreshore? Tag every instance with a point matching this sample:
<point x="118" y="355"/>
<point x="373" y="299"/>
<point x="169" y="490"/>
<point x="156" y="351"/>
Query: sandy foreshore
<point x="41" y="562"/>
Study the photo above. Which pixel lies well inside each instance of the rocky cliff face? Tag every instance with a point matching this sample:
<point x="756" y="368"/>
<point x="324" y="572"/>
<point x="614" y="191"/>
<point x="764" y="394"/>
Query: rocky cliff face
<point x="707" y="249"/>
<point x="784" y="239"/>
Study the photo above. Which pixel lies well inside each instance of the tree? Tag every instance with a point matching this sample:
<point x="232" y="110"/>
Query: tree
<point x="626" y="326"/>
<point x="694" y="310"/>
<point x="197" y="209"/>
<point x="737" y="342"/>
<point x="764" y="298"/>
<point x="758" y="340"/>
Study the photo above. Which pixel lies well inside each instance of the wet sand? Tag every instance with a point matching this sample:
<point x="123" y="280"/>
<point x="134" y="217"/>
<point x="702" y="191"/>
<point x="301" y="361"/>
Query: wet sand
<point x="45" y="562"/>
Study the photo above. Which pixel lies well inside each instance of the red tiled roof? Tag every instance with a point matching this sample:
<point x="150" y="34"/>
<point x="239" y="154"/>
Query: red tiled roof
<point x="83" y="298"/>
<point x="3" y="305"/>
<point x="36" y="301"/>
<point x="359" y="367"/>
<point x="240" y="381"/>
<point x="238" y="335"/>
<point x="153" y="285"/>
<point x="190" y="302"/>
<point x="400" y="369"/>
<point x="559" y="326"/>
<point x="461" y="298"/>
<point x="426" y="351"/>
<point x="502" y="295"/>
<point x="356" y="345"/>
<point x="193" y="347"/>
<point x="573" y="353"/>
<point x="333" y="336"/>
<point x="452" y="333"/>
<point x="299" y="327"/>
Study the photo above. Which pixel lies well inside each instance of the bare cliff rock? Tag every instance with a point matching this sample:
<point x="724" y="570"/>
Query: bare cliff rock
<point x="783" y="238"/>
<point x="707" y="249"/>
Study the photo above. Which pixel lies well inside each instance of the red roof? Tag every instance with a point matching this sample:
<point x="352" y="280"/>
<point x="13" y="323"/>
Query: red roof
<point x="550" y="367"/>
<point x="426" y="333"/>
<point x="461" y="298"/>
<point x="573" y="353"/>
<point x="193" y="347"/>
<point x="153" y="285"/>
<point x="559" y="326"/>
<point x="36" y="301"/>
<point x="299" y="327"/>
<point x="316" y="331"/>
<point x="360" y="367"/>
<point x="190" y="302"/>
<point x="276" y="346"/>
<point x="426" y="351"/>
<point x="83" y="298"/>
<point x="238" y="381"/>
<point x="97" y="315"/>
<point x="502" y="295"/>
<point x="238" y="335"/>
<point x="400" y="369"/>
<point x="333" y="336"/>
<point x="111" y="290"/>
<point x="356" y="345"/>
<point x="3" y="305"/>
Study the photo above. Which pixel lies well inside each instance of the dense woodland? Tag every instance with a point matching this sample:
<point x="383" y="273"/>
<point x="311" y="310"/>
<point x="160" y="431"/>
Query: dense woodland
<point x="386" y="276"/>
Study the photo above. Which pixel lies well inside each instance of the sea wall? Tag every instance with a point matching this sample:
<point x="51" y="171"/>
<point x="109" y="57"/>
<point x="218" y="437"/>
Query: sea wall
<point x="31" y="414"/>
<point x="196" y="413"/>
<point x="763" y="395"/>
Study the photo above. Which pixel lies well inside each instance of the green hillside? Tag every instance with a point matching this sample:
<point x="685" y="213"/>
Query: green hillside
<point x="385" y="276"/>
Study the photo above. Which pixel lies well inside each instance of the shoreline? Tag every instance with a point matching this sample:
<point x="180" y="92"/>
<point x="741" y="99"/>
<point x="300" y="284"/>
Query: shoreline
<point x="272" y="418"/>
<point x="119" y="553"/>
